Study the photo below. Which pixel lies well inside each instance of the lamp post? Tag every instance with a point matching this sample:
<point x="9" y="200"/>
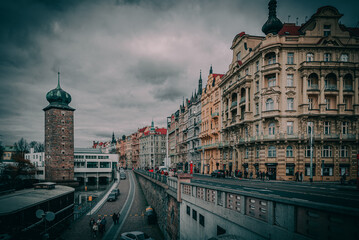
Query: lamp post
<point x="311" y="152"/>
<point x="167" y="164"/>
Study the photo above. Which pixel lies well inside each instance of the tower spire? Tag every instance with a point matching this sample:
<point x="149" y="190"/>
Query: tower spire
<point x="210" y="70"/>
<point x="273" y="24"/>
<point x="200" y="83"/>
<point x="58" y="80"/>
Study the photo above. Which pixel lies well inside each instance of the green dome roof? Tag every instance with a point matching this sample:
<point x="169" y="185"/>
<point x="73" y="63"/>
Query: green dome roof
<point x="58" y="98"/>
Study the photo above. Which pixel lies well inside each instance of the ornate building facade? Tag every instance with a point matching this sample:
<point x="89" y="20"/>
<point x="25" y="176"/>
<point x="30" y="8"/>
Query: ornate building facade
<point x="295" y="84"/>
<point x="211" y="125"/>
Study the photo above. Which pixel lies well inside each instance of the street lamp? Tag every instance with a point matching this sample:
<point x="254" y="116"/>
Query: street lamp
<point x="167" y="135"/>
<point x="311" y="151"/>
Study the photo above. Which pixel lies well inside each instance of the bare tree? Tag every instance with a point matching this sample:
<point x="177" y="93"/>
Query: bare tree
<point x="21" y="147"/>
<point x="19" y="170"/>
<point x="37" y="146"/>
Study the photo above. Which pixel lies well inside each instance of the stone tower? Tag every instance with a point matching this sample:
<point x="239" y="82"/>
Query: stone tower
<point x="59" y="136"/>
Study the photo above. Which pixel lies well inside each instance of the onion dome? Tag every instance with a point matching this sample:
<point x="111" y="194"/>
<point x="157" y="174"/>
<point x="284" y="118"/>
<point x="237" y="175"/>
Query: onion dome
<point x="273" y="24"/>
<point x="58" y="98"/>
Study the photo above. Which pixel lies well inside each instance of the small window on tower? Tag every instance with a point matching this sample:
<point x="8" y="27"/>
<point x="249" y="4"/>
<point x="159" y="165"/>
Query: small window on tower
<point x="62" y="121"/>
<point x="62" y="129"/>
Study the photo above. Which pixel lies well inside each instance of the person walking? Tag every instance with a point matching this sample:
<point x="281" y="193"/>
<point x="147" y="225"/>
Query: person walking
<point x="297" y="176"/>
<point x="103" y="224"/>
<point x="301" y="176"/>
<point x="95" y="229"/>
<point x="118" y="218"/>
<point x="114" y="218"/>
<point x="92" y="222"/>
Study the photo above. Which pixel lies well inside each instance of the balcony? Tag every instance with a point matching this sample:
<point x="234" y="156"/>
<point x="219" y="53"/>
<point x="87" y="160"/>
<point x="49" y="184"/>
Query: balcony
<point x="348" y="88"/>
<point x="331" y="87"/>
<point x="215" y="114"/>
<point x="243" y="99"/>
<point x="322" y="64"/>
<point x="234" y="104"/>
<point x="313" y="87"/>
<point x="270" y="67"/>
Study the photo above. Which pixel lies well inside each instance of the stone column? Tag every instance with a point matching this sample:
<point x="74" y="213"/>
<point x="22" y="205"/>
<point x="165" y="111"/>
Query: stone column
<point x="356" y="100"/>
<point x="229" y="108"/>
<point x="322" y="88"/>
<point x="247" y="100"/>
<point x="305" y="87"/>
<point x="340" y="90"/>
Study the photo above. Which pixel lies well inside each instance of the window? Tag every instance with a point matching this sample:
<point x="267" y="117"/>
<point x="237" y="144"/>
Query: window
<point x="246" y="153"/>
<point x="257" y="108"/>
<point x="307" y="170"/>
<point x="326" y="128"/>
<point x="271" y="81"/>
<point x="310" y="127"/>
<point x="307" y="151"/>
<point x="194" y="214"/>
<point x="289" y="151"/>
<point x="257" y="152"/>
<point x="269" y="104"/>
<point x="327" y="57"/>
<point x="310" y="57"/>
<point x="272" y="151"/>
<point x="290" y="128"/>
<point x="105" y="165"/>
<point x="271" y="129"/>
<point x="310" y="100"/>
<point x="290" y="58"/>
<point x="257" y="66"/>
<point x="344" y="57"/>
<point x="289" y="171"/>
<point x="92" y="165"/>
<point x="201" y="219"/>
<point x="344" y="170"/>
<point x="290" y="80"/>
<point x="327" y="151"/>
<point x="345" y="128"/>
<point x="271" y="59"/>
<point x="326" y="30"/>
<point x="257" y="86"/>
<point x="188" y="211"/>
<point x="257" y="129"/>
<point x="290" y="103"/>
<point x="327" y="103"/>
<point x="327" y="170"/>
<point x="239" y="56"/>
<point x="344" y="151"/>
<point x="247" y="71"/>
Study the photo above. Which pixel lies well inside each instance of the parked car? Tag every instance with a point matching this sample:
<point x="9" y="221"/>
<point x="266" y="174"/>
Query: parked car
<point x="116" y="191"/>
<point x="135" y="235"/>
<point x="218" y="173"/>
<point x="122" y="175"/>
<point x="112" y="197"/>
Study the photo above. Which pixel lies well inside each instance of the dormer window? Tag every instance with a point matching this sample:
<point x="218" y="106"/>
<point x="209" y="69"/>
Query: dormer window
<point x="344" y="57"/>
<point x="310" y="57"/>
<point x="327" y="30"/>
<point x="327" y="57"/>
<point x="239" y="56"/>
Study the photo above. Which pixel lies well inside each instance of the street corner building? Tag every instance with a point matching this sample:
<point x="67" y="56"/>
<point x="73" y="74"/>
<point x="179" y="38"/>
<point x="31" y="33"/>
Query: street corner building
<point x="281" y="88"/>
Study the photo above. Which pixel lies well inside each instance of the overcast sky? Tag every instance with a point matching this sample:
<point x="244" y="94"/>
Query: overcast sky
<point x="123" y="62"/>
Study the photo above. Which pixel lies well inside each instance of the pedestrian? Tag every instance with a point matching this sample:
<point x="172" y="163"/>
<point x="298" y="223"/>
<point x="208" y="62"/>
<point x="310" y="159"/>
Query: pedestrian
<point x="98" y="222"/>
<point x="251" y="175"/>
<point x="118" y="218"/>
<point x="301" y="177"/>
<point x="103" y="224"/>
<point x="114" y="218"/>
<point x="297" y="176"/>
<point x="267" y="175"/>
<point x="92" y="221"/>
<point x="95" y="229"/>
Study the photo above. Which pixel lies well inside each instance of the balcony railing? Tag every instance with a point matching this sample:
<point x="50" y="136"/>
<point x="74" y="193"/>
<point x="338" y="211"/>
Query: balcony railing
<point x="331" y="87"/>
<point x="313" y="87"/>
<point x="348" y="88"/>
<point x="234" y="104"/>
<point x="215" y="114"/>
<point x="243" y="99"/>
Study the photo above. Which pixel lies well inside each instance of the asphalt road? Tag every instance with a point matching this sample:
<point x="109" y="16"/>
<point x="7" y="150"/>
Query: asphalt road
<point x="327" y="193"/>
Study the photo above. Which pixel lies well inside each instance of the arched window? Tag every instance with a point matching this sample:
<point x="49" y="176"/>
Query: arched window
<point x="344" y="57"/>
<point x="289" y="151"/>
<point x="272" y="151"/>
<point x="271" y="129"/>
<point x="269" y="104"/>
<point x="327" y="151"/>
<point x="310" y="57"/>
<point x="344" y="151"/>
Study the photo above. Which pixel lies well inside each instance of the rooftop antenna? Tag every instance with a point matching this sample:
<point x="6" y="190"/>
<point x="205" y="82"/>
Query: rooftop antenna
<point x="58" y="79"/>
<point x="296" y="21"/>
<point x="288" y="18"/>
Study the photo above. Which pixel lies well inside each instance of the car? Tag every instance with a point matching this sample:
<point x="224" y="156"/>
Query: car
<point x="135" y="235"/>
<point x="122" y="175"/>
<point x="218" y="173"/>
<point x="116" y="191"/>
<point x="112" y="197"/>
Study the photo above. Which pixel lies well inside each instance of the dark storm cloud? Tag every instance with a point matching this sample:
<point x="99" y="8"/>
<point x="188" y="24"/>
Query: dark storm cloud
<point x="123" y="62"/>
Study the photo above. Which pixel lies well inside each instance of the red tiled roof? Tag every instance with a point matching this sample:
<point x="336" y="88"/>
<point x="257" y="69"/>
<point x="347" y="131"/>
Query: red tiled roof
<point x="161" y="131"/>
<point x="142" y="129"/>
<point x="289" y="29"/>
<point x="216" y="74"/>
